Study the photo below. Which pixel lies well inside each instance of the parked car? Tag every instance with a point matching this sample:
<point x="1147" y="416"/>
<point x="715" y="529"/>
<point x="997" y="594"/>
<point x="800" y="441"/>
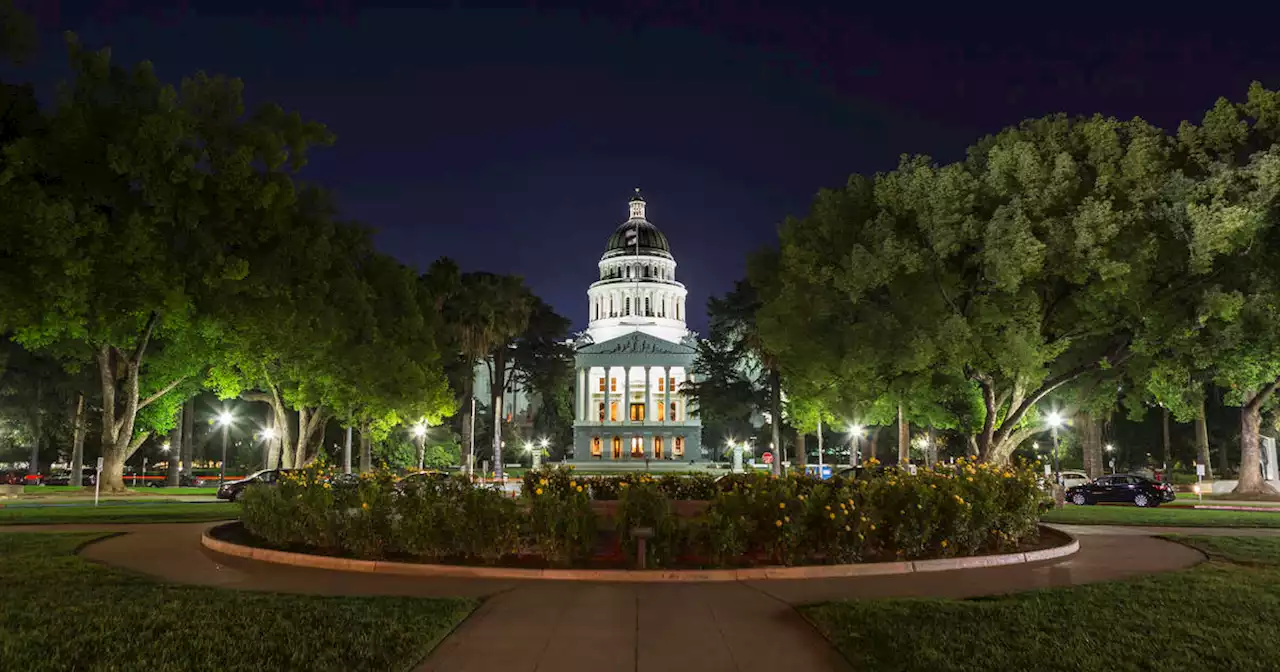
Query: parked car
<point x="63" y="477"/>
<point x="412" y="480"/>
<point x="1121" y="488"/>
<point x="234" y="490"/>
<point x="1071" y="479"/>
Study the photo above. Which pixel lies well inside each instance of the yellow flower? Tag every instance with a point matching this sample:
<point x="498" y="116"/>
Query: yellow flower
<point x="846" y="528"/>
<point x="573" y="484"/>
<point x="777" y="523"/>
<point x="579" y="488"/>
<point x="827" y="507"/>
<point x="873" y="526"/>
<point x="932" y="486"/>
<point x="542" y="482"/>
<point x="802" y="498"/>
<point x="833" y="516"/>
<point x="944" y="543"/>
<point x="782" y="505"/>
<point x="365" y="505"/>
<point x="787" y="518"/>
<point x="623" y="484"/>
<point x="538" y="491"/>
<point x="969" y="478"/>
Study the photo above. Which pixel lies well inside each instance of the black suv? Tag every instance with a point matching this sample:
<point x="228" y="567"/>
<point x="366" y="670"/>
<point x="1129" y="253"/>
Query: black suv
<point x="1121" y="488"/>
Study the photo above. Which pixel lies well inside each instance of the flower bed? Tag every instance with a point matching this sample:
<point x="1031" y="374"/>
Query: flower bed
<point x="743" y="521"/>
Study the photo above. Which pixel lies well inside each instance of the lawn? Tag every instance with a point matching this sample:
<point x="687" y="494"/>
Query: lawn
<point x="1217" y="616"/>
<point x="60" y="612"/>
<point x="153" y="512"/>
<point x="1176" y="517"/>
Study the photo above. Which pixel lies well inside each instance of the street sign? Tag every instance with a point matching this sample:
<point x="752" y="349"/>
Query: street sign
<point x="911" y="469"/>
<point x="99" y="464"/>
<point x="767" y="457"/>
<point x="1199" y="470"/>
<point x="1048" y="471"/>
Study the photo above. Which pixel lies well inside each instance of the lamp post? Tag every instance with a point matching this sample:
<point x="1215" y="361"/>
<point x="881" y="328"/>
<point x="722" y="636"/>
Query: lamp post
<point x="1055" y="421"/>
<point x="1111" y="457"/>
<point x="224" y="419"/>
<point x="855" y="445"/>
<point x="267" y="435"/>
<point x="419" y="438"/>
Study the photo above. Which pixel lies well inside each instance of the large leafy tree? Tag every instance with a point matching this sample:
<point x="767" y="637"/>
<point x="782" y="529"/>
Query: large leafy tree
<point x="1045" y="256"/>
<point x="543" y="366"/>
<point x="128" y="214"/>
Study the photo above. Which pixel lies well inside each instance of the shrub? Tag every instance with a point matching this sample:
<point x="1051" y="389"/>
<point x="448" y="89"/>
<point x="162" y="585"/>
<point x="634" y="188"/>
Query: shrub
<point x="645" y="505"/>
<point x="562" y="526"/>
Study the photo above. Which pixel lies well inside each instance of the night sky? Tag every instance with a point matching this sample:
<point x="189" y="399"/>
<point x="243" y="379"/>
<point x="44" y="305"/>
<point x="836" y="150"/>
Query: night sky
<point x="510" y="139"/>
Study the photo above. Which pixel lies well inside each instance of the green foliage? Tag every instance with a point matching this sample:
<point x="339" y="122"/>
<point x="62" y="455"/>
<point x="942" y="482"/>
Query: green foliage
<point x="646" y="506"/>
<point x="562" y="526"/>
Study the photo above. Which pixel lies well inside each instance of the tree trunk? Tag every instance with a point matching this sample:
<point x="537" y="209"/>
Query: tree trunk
<point x="497" y="384"/>
<point x="1202" y="442"/>
<point x="346" y="453"/>
<point x="77" y="443"/>
<point x="973" y="446"/>
<point x="270" y="450"/>
<point x="931" y="453"/>
<point x="188" y="435"/>
<point x="1090" y="443"/>
<point x="904" y="439"/>
<point x="468" y="420"/>
<point x="1164" y="433"/>
<point x="798" y="447"/>
<point x="366" y="449"/>
<point x="874" y="443"/>
<point x="173" y="456"/>
<point x="775" y="410"/>
<point x="1251" y="481"/>
<point x="34" y="467"/>
<point x="311" y="423"/>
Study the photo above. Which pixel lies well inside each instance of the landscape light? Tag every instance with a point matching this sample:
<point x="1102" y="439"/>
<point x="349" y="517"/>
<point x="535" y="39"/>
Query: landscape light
<point x="419" y="430"/>
<point x="1110" y="447"/>
<point x="224" y="418"/>
<point x="528" y="445"/>
<point x="165" y="447"/>
<point x="545" y="442"/>
<point x="856" y="430"/>
<point x="1054" y="419"/>
<point x="269" y="433"/>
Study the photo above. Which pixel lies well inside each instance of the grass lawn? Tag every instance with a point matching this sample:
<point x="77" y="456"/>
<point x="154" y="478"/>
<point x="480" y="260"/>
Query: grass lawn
<point x="1178" y="517"/>
<point x="118" y="513"/>
<point x="1217" y="616"/>
<point x="60" y="612"/>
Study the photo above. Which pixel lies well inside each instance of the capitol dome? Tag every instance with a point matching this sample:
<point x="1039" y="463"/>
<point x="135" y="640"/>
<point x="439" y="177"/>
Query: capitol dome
<point x="637" y="233"/>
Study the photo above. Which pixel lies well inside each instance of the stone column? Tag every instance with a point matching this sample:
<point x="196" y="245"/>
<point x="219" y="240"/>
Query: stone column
<point x="605" y="421"/>
<point x="648" y="407"/>
<point x="584" y="392"/>
<point x="626" y="397"/>
<point x="666" y="394"/>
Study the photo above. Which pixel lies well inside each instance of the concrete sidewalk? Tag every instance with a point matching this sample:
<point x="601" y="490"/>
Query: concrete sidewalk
<point x="545" y="625"/>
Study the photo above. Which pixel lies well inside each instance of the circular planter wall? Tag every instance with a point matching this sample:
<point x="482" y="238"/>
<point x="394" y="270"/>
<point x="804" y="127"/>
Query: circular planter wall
<point x="215" y="539"/>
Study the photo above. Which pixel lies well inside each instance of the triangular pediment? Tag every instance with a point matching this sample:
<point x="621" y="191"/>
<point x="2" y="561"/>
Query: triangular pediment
<point x="637" y="343"/>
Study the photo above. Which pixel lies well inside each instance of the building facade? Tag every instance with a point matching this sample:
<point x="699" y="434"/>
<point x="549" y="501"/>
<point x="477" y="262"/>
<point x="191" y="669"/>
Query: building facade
<point x="635" y="355"/>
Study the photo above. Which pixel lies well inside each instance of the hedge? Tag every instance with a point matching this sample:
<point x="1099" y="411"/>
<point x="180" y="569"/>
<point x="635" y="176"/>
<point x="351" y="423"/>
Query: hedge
<point x="751" y="519"/>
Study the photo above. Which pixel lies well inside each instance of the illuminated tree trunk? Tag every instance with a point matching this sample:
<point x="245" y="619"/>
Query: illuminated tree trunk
<point x="497" y="388"/>
<point x="775" y="410"/>
<point x="188" y="435"/>
<point x="77" y="443"/>
<point x="366" y="448"/>
<point x="1251" y="481"/>
<point x="34" y="466"/>
<point x="173" y="456"/>
<point x="1091" y="443"/>
<point x="1202" y="441"/>
<point x="904" y="438"/>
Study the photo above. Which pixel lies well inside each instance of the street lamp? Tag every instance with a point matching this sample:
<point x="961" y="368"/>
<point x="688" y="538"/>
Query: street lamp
<point x="419" y="436"/>
<point x="855" y="447"/>
<point x="1055" y="421"/>
<point x="224" y="419"/>
<point x="1111" y="457"/>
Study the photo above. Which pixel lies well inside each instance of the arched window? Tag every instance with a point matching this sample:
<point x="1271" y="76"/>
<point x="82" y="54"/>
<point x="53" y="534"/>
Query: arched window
<point x="657" y="448"/>
<point x="596" y="447"/>
<point x="637" y="446"/>
<point x="671" y="412"/>
<point x="678" y="449"/>
<point x="616" y="447"/>
<point x="602" y="411"/>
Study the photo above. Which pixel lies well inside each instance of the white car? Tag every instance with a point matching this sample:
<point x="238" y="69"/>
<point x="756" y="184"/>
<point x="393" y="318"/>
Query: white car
<point x="1071" y="479"/>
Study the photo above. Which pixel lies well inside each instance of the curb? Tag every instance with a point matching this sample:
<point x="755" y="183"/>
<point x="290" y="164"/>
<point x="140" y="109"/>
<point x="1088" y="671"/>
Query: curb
<point x="634" y="576"/>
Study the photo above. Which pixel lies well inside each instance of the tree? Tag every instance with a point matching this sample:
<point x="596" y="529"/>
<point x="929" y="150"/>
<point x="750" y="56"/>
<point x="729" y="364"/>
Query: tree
<point x="1043" y="257"/>
<point x="18" y="37"/>
<point x="131" y="211"/>
<point x="542" y="364"/>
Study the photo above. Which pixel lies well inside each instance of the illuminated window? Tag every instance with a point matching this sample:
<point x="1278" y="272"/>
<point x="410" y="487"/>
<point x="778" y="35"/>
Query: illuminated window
<point x="662" y="384"/>
<point x="637" y="412"/>
<point x="678" y="449"/>
<point x="662" y="414"/>
<point x="613" y="384"/>
<point x="671" y="383"/>
<point x="602" y="383"/>
<point x="596" y="447"/>
<point x="602" y="411"/>
<point x="613" y="411"/>
<point x="672" y="412"/>
<point x="616" y="445"/>
<point x="637" y="446"/>
<point x="657" y="448"/>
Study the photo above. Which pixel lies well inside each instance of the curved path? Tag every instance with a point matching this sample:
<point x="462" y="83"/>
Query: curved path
<point x="550" y="625"/>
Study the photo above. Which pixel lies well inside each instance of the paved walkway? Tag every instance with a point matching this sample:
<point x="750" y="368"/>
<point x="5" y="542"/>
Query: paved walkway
<point x="545" y="625"/>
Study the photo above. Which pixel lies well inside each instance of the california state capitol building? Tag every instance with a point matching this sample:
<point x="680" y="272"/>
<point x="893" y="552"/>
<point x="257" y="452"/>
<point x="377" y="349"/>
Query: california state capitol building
<point x="633" y="358"/>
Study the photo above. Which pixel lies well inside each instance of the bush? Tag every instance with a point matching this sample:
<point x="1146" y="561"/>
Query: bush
<point x="754" y="518"/>
<point x="645" y="505"/>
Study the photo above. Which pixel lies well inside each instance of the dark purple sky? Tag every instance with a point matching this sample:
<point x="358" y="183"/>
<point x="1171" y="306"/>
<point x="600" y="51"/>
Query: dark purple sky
<point x="510" y="139"/>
